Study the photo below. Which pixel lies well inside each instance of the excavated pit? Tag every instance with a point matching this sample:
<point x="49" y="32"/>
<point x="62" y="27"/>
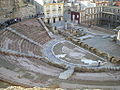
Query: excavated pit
<point x="30" y="57"/>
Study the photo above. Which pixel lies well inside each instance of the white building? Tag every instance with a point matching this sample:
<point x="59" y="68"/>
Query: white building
<point x="53" y="12"/>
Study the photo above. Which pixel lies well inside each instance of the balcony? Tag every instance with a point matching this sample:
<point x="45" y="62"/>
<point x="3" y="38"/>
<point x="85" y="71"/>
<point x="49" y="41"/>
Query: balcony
<point x="54" y="10"/>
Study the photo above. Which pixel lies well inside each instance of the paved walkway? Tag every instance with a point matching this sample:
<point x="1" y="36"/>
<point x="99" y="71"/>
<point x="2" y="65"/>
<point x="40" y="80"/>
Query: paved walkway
<point x="48" y="52"/>
<point x="101" y="40"/>
<point x="105" y="45"/>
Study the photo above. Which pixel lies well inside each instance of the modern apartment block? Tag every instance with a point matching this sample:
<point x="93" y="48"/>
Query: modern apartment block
<point x="53" y="12"/>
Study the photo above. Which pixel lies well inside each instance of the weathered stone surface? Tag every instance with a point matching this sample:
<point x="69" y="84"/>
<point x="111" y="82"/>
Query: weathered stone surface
<point x="34" y="88"/>
<point x="66" y="74"/>
<point x="14" y="9"/>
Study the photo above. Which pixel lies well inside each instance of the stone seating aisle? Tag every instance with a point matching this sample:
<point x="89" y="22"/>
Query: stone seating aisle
<point x="11" y="41"/>
<point x="43" y="38"/>
<point x="33" y="30"/>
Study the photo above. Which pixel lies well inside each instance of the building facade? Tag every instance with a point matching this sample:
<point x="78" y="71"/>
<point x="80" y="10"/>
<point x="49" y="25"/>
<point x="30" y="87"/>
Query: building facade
<point x="53" y="12"/>
<point x="102" y="15"/>
<point x="75" y="17"/>
<point x="102" y="3"/>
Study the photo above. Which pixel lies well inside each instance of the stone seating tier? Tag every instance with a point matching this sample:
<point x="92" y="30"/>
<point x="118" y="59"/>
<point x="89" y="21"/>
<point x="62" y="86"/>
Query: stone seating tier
<point x="12" y="41"/>
<point x="33" y="30"/>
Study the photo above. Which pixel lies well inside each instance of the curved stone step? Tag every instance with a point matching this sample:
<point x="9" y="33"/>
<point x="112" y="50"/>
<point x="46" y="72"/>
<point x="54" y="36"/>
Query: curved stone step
<point x="66" y="74"/>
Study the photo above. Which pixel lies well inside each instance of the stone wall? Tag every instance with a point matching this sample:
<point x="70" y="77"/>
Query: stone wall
<point x="25" y="12"/>
<point x="103" y="55"/>
<point x="15" y="8"/>
<point x="6" y="9"/>
<point x="6" y="6"/>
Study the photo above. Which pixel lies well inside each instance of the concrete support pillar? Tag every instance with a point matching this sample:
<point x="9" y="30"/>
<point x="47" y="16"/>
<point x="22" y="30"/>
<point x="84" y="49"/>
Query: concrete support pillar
<point x="118" y="37"/>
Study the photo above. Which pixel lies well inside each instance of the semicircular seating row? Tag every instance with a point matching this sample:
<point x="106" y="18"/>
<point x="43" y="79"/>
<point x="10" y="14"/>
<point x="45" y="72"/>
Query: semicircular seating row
<point x="33" y="30"/>
<point x="11" y="41"/>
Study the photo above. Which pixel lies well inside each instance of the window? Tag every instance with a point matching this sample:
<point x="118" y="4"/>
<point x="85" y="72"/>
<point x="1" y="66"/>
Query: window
<point x="113" y="10"/>
<point x="118" y="10"/>
<point x="59" y="18"/>
<point x="48" y="21"/>
<point x="59" y="8"/>
<point x="114" y="18"/>
<point x="118" y="18"/>
<point x="53" y="20"/>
